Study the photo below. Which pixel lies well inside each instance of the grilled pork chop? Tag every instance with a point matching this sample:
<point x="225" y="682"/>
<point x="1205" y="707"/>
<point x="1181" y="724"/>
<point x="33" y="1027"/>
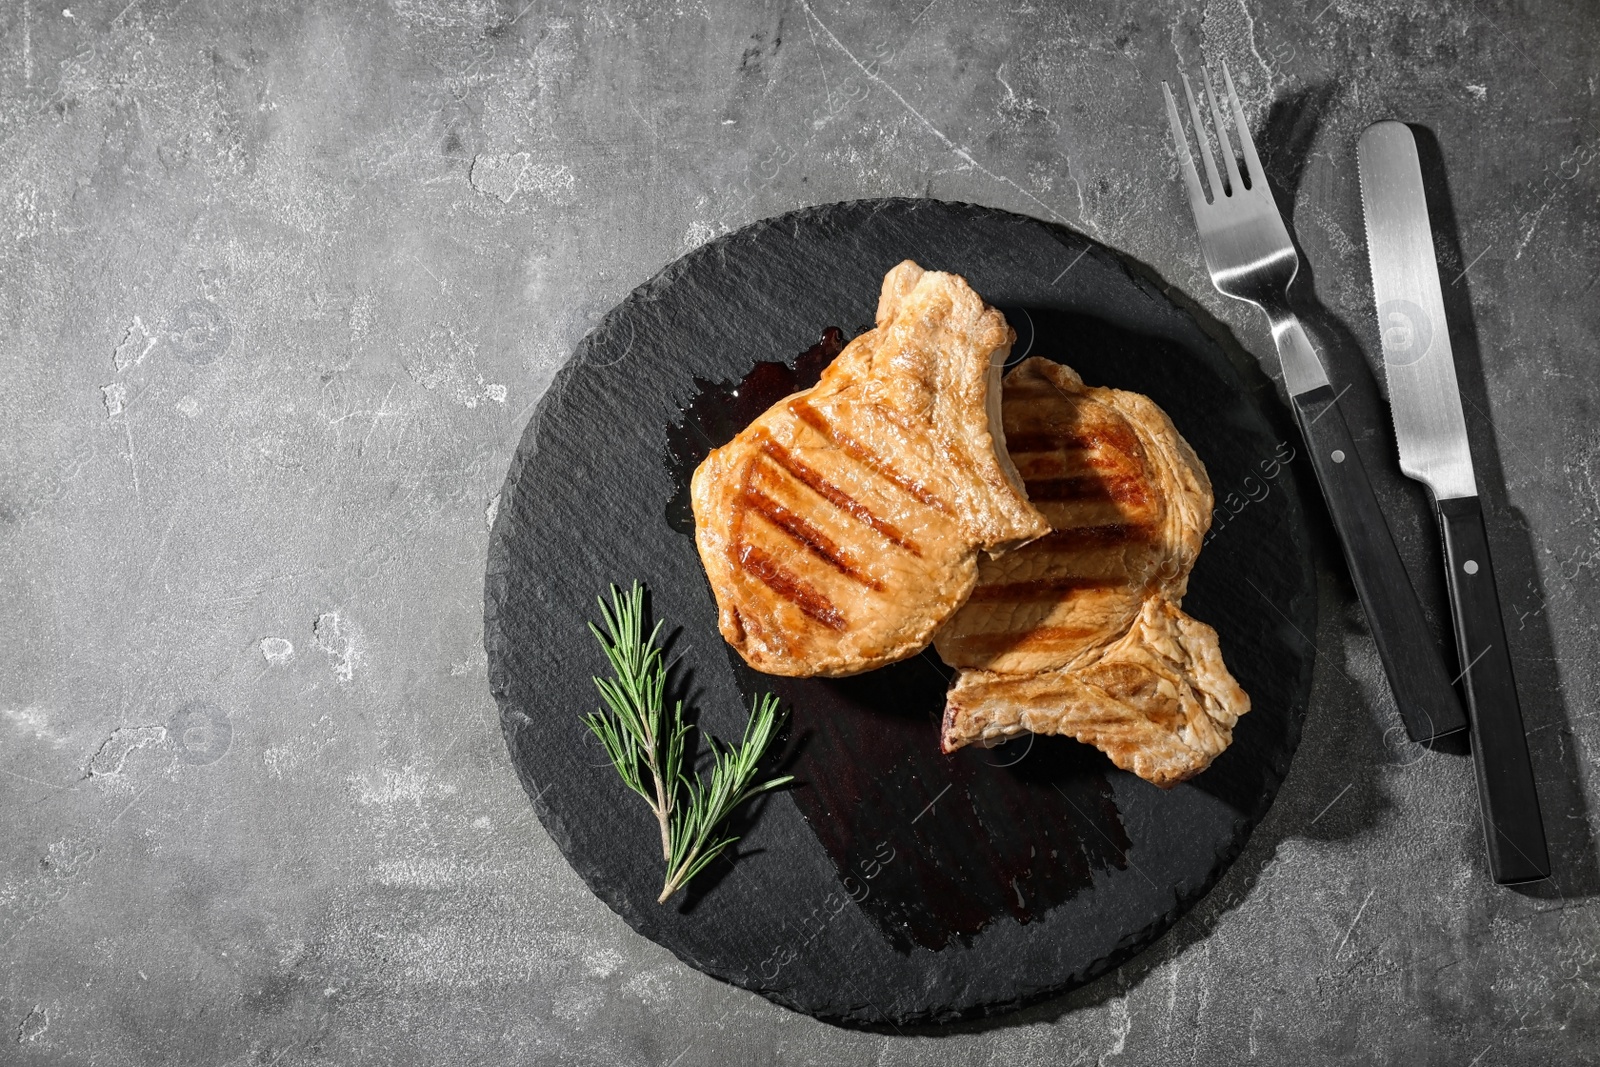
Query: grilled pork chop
<point x="841" y="529"/>
<point x="1080" y="633"/>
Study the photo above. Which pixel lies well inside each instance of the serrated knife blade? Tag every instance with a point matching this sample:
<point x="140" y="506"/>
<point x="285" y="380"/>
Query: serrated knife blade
<point x="1425" y="402"/>
<point x="1417" y="360"/>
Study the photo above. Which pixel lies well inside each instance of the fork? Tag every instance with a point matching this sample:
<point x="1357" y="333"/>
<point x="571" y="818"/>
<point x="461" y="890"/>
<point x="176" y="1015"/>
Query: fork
<point x="1251" y="258"/>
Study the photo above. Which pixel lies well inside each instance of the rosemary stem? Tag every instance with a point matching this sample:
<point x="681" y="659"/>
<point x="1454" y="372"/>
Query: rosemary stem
<point x="652" y="729"/>
<point x="674" y="879"/>
<point x="663" y="806"/>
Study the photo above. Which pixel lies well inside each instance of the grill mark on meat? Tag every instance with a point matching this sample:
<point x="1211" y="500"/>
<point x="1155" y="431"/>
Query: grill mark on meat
<point x="813" y="480"/>
<point x="1024" y="442"/>
<point x="1044" y="588"/>
<point x="772" y="574"/>
<point x="815" y="541"/>
<point x="1109" y="535"/>
<point x="813" y="418"/>
<point x="1131" y="491"/>
<point x="1109" y="436"/>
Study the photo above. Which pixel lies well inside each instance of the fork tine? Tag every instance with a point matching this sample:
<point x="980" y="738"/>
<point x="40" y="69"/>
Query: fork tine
<point x="1191" y="178"/>
<point x="1252" y="162"/>
<point x="1234" y="188"/>
<point x="1205" y="144"/>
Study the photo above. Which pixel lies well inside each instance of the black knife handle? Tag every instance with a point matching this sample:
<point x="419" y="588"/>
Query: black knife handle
<point x="1512" y="825"/>
<point x="1411" y="658"/>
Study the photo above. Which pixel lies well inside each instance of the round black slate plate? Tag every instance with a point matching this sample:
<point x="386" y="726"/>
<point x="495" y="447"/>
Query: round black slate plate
<point x="893" y="884"/>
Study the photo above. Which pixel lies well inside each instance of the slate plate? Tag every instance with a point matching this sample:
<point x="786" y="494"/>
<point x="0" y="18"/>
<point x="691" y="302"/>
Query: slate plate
<point x="893" y="884"/>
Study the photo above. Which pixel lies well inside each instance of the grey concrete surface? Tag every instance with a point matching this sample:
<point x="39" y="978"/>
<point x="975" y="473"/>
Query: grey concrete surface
<point x="281" y="284"/>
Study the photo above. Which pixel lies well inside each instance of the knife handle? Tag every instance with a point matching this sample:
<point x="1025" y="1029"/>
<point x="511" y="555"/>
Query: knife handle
<point x="1411" y="658"/>
<point x="1512" y="825"/>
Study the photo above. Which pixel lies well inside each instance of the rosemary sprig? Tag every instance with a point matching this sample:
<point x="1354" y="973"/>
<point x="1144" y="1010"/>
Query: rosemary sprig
<point x="638" y="735"/>
<point x="645" y="742"/>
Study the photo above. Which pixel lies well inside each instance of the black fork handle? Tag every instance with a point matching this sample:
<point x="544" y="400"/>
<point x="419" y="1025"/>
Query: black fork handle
<point x="1411" y="657"/>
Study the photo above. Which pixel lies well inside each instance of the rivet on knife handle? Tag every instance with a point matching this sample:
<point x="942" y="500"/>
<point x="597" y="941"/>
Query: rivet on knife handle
<point x="1431" y="432"/>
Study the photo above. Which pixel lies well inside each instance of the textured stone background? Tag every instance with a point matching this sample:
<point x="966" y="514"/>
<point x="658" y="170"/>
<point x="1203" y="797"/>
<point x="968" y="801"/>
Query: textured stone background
<point x="280" y="288"/>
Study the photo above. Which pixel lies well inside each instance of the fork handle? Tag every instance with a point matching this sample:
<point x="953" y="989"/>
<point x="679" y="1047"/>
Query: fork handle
<point x="1411" y="658"/>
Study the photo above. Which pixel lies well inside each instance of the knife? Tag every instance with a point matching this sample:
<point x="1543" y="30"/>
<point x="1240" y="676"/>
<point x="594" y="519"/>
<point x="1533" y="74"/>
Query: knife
<point x="1432" y="435"/>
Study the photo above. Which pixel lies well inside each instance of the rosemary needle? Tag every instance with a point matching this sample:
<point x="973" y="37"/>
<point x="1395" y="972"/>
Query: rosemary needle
<point x="644" y="740"/>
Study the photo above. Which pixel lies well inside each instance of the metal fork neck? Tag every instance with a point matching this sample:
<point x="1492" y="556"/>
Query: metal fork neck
<point x="1278" y="313"/>
<point x="1302" y="369"/>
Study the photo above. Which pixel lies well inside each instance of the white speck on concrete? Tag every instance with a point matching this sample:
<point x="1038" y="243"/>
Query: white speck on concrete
<point x="31" y="720"/>
<point x="1122" y="1023"/>
<point x="1479" y="92"/>
<point x="577" y="1004"/>
<point x="114" y="750"/>
<point x="279" y="758"/>
<point x="550" y="180"/>
<point x="34" y="1024"/>
<point x="504" y="176"/>
<point x="136" y="343"/>
<point x="447" y="359"/>
<point x="1230" y="33"/>
<point x="299" y="750"/>
<point x="404" y="784"/>
<point x="342" y="640"/>
<point x="699" y="232"/>
<point x="277" y="649"/>
<point x="491" y="511"/>
<point x="651" y="987"/>
<point x="437" y="15"/>
<point x="499" y="176"/>
<point x="421" y="872"/>
<point x="360" y="318"/>
<point x="602" y="962"/>
<point x="188" y="407"/>
<point x="115" y="396"/>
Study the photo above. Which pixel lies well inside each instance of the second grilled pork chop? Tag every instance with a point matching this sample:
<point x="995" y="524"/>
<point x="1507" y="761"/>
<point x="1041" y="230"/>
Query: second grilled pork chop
<point x="842" y="528"/>
<point x="1080" y="632"/>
